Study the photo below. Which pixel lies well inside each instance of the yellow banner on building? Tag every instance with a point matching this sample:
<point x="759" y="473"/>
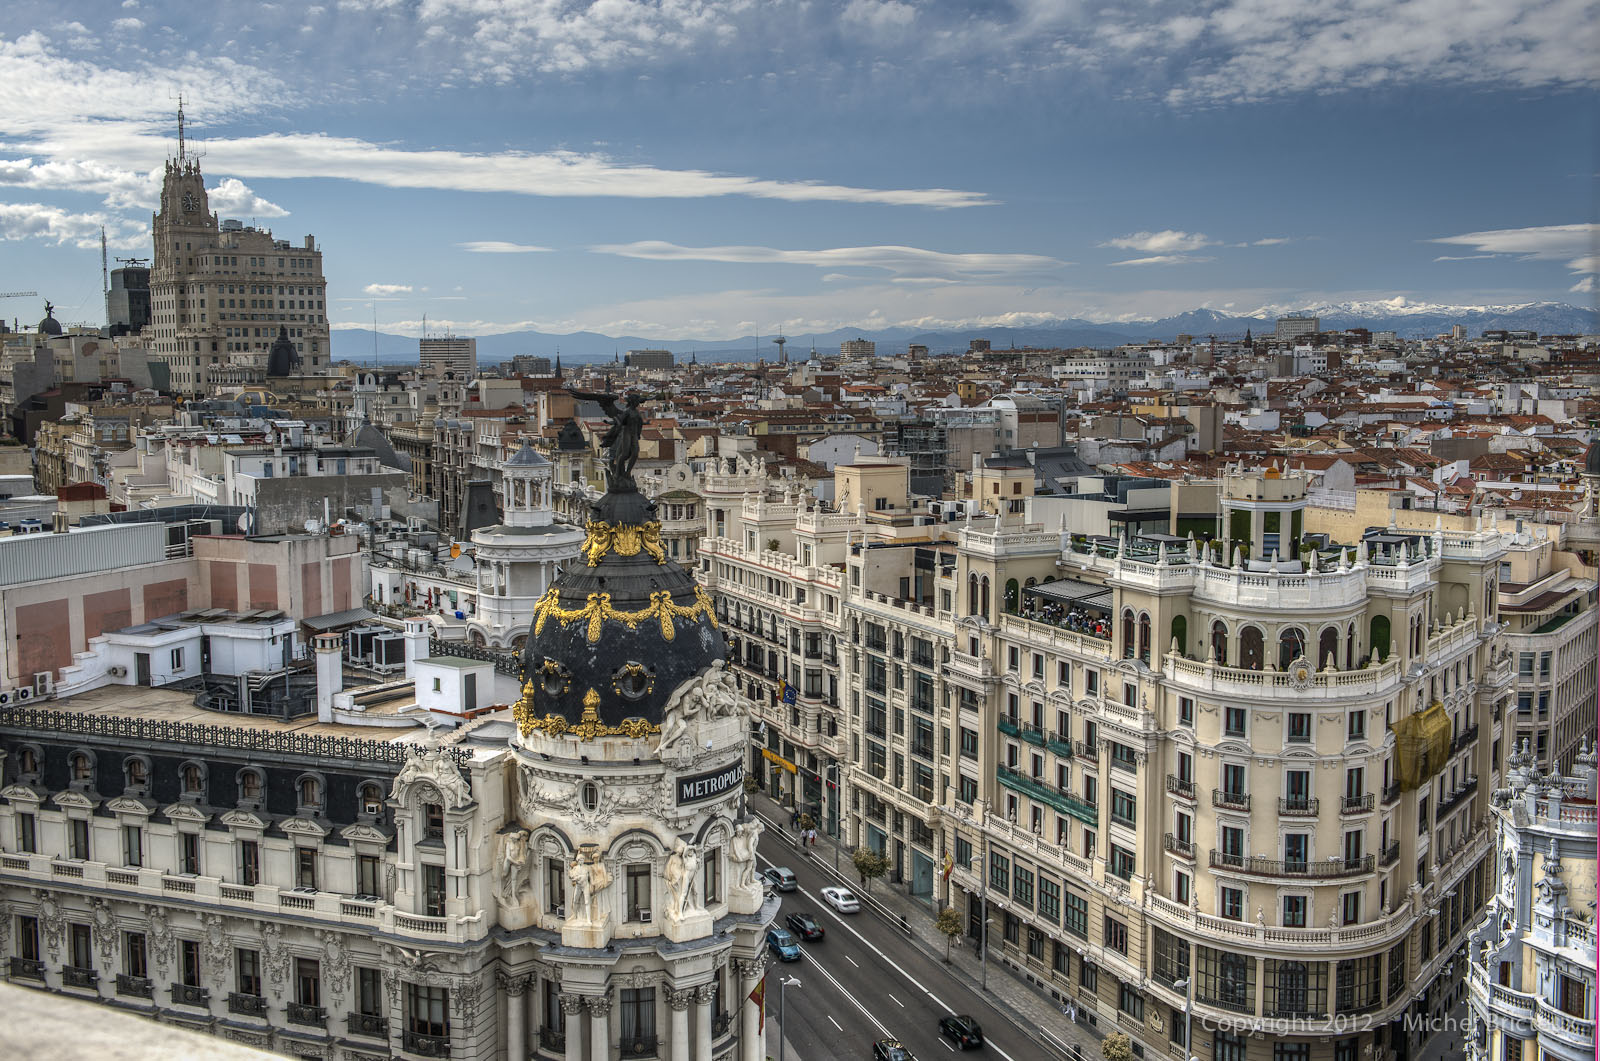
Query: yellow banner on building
<point x="774" y="757"/>
<point x="1422" y="743"/>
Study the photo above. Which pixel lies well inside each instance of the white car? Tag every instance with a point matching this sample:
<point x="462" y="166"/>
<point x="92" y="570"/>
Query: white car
<point x="841" y="900"/>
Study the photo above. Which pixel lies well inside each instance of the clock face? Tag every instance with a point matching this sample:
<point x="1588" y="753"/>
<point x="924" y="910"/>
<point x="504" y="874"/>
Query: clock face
<point x="190" y="203"/>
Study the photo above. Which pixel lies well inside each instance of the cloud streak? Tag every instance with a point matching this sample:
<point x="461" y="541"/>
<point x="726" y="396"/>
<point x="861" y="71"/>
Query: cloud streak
<point x="1167" y="241"/>
<point x="1167" y="259"/>
<point x="1576" y="244"/>
<point x="494" y="246"/>
<point x="926" y="264"/>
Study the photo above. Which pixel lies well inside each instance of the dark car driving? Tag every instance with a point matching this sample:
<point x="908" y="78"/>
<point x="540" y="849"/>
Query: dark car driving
<point x="890" y="1050"/>
<point x="961" y="1030"/>
<point x="805" y="926"/>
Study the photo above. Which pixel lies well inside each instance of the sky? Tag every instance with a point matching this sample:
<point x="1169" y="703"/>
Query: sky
<point x="682" y="169"/>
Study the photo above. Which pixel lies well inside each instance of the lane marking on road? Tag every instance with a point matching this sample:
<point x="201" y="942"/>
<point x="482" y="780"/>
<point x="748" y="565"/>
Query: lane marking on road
<point x="818" y="966"/>
<point x="946" y="1045"/>
<point x="886" y="961"/>
<point x="834" y="1023"/>
<point x="896" y="1001"/>
<point x="851" y="960"/>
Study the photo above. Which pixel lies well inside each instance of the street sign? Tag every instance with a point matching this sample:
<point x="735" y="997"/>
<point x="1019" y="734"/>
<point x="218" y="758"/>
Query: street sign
<point x="773" y="757"/>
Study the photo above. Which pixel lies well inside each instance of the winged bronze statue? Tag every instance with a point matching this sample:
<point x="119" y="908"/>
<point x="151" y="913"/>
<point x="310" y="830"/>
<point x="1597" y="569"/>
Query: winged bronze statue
<point x="621" y="442"/>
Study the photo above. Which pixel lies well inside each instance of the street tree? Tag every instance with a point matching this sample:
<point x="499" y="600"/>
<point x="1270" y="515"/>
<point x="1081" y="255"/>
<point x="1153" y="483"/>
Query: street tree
<point x="948" y="922"/>
<point x="1116" y="1047"/>
<point x="869" y="864"/>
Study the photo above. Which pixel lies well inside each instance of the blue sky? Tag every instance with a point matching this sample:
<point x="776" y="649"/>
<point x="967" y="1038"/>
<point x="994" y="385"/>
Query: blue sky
<point x="712" y="168"/>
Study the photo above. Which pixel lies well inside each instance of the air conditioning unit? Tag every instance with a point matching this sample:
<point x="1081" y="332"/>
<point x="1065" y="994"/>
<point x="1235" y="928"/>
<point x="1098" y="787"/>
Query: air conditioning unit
<point x="561" y="913"/>
<point x="117" y="670"/>
<point x="644" y="915"/>
<point x="44" y="683"/>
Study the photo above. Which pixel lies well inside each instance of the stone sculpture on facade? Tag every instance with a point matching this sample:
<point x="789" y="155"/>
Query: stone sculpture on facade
<point x="682" y="873"/>
<point x="587" y="877"/>
<point x="511" y="867"/>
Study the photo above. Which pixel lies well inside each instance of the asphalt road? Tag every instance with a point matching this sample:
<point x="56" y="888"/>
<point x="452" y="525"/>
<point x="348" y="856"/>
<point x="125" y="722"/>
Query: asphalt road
<point x="866" y="982"/>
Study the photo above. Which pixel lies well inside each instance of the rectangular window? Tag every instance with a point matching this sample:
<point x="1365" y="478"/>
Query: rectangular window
<point x="1231" y="903"/>
<point x="135" y="958"/>
<point x="1185" y="711"/>
<point x="1294" y="911"/>
<point x="1130" y="1002"/>
<point x="80" y="947"/>
<point x="1124" y="808"/>
<point x="369" y="991"/>
<point x="1115" y="935"/>
<point x="1350" y="908"/>
<point x="305" y="867"/>
<point x="27" y="838"/>
<point x="28" y="938"/>
<point x="369" y="875"/>
<point x="177" y="659"/>
<point x="248" y="962"/>
<point x="428" y="1011"/>
<point x="1022" y="886"/>
<point x="1088" y="977"/>
<point x="433" y="890"/>
<point x="999" y="871"/>
<point x="432" y="821"/>
<point x="1121" y="863"/>
<point x="711" y="887"/>
<point x="1358" y="726"/>
<point x="1291" y="1052"/>
<point x="132" y="846"/>
<point x="78" y="839"/>
<point x="969" y="743"/>
<point x="249" y="862"/>
<point x="1299" y="727"/>
<point x="1049" y="899"/>
<point x="189" y="962"/>
<point x="308" y="981"/>
<point x="638" y="892"/>
<point x="638" y="1014"/>
<point x="1180" y="887"/>
<point x="555" y="884"/>
<point x="1077" y="915"/>
<point x="1233" y="721"/>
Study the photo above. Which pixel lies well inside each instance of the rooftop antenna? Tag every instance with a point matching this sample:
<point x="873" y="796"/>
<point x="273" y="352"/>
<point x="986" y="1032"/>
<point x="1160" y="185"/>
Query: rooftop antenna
<point x="105" y="276"/>
<point x="181" y="148"/>
<point x="374" y="333"/>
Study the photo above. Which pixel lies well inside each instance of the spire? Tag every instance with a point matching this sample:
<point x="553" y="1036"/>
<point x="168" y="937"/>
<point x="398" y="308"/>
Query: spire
<point x="180" y="129"/>
<point x="558" y="366"/>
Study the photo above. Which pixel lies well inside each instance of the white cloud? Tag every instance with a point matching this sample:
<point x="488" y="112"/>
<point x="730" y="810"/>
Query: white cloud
<point x="495" y="246"/>
<point x="127" y="25"/>
<point x="1586" y="286"/>
<point x="1464" y="257"/>
<point x="1575" y="243"/>
<point x="1272" y="241"/>
<point x="926" y="263"/>
<point x="879" y="15"/>
<point x="19" y="221"/>
<point x="1166" y="259"/>
<point x="120" y="188"/>
<point x="387" y="289"/>
<point x="233" y="198"/>
<point x="1167" y="241"/>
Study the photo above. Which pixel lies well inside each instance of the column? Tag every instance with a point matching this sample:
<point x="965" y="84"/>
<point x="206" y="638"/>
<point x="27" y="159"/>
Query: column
<point x="704" y="995"/>
<point x="572" y="1012"/>
<point x="752" y="1041"/>
<point x="516" y="1014"/>
<point x="679" y="1040"/>
<point x="599" y="1027"/>
<point x="941" y="885"/>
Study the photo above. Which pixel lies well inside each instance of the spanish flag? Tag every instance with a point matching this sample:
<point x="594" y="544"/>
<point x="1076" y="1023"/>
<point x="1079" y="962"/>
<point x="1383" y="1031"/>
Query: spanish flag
<point x="758" y="995"/>
<point x="949" y="864"/>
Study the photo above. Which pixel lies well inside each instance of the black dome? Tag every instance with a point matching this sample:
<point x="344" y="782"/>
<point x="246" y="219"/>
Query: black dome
<point x="49" y="326"/>
<point x="283" y="358"/>
<point x="618" y="631"/>
<point x="1591" y="460"/>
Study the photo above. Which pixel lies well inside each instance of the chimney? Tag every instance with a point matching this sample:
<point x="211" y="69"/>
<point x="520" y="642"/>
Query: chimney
<point x="416" y="635"/>
<point x="330" y="672"/>
<point x="58" y="523"/>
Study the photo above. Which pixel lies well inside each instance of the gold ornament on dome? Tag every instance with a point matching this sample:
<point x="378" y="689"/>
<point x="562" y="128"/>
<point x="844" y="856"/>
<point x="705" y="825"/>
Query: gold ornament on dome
<point x="623" y="539"/>
<point x="598" y="608"/>
<point x="589" y="726"/>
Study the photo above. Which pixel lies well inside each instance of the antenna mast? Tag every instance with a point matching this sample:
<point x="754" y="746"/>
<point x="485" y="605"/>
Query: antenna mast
<point x="180" y="127"/>
<point x="105" y="276"/>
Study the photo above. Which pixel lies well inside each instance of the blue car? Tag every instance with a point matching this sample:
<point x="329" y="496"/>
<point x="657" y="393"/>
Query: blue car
<point x="783" y="944"/>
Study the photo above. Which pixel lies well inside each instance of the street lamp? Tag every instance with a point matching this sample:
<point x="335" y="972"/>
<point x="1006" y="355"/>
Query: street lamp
<point x="964" y="812"/>
<point x="1186" y="985"/>
<point x="783" y="1043"/>
<point x="835" y="804"/>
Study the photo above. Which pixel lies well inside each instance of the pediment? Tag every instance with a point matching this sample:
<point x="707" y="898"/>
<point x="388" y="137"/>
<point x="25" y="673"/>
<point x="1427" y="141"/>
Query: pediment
<point x="303" y="827"/>
<point x="1234" y="747"/>
<point x="74" y="798"/>
<point x="185" y="812"/>
<point x="243" y="819"/>
<point x="130" y="805"/>
<point x="22" y="794"/>
<point x="364" y="833"/>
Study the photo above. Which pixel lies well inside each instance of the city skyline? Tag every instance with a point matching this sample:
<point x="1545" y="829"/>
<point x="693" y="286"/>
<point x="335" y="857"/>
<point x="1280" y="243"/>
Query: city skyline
<point x="720" y="169"/>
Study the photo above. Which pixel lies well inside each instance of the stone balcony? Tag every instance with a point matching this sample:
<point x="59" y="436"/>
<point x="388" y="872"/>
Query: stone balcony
<point x="1236" y="682"/>
<point x="239" y="900"/>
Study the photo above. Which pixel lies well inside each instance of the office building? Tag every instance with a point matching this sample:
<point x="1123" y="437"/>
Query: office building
<point x="448" y="353"/>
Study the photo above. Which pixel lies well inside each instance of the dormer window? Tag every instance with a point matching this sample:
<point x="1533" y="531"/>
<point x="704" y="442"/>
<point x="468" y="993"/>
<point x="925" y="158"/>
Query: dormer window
<point x="28" y="761"/>
<point x="137" y="773"/>
<point x="81" y="766"/>
<point x="250" y="786"/>
<point x="371" y="800"/>
<point x="310" y="792"/>
<point x="193" y="780"/>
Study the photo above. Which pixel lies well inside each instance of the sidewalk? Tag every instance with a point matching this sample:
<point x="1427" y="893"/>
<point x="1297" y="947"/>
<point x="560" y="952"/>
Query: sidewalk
<point x="1028" y="1007"/>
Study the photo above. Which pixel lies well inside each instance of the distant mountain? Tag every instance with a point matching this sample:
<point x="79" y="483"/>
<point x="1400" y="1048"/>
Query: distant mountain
<point x="1407" y="319"/>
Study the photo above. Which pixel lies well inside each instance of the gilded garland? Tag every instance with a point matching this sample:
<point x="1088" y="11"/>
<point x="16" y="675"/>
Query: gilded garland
<point x="598" y="608"/>
<point x="587" y="728"/>
<point x="623" y="539"/>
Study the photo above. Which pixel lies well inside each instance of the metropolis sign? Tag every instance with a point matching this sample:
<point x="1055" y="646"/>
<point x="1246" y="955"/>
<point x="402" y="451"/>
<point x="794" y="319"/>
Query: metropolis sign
<point x="709" y="785"/>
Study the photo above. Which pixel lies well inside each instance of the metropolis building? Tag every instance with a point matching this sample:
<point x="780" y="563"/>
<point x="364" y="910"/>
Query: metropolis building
<point x="572" y="877"/>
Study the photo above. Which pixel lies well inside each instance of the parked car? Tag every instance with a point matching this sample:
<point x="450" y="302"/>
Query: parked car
<point x="783" y="944"/>
<point x="962" y="1030"/>
<point x="841" y="899"/>
<point x="890" y="1050"/>
<point x="781" y="878"/>
<point x="805" y="926"/>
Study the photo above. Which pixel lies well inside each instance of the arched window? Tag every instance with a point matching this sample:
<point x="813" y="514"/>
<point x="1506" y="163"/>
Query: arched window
<point x="1127" y="633"/>
<point x="371" y="799"/>
<point x="1252" y="648"/>
<point x="1011" y="596"/>
<point x="28" y="761"/>
<point x="1379" y="637"/>
<point x="194" y="779"/>
<point x="310" y="792"/>
<point x="1219" y="642"/>
<point x="1291" y="646"/>
<point x="983" y="593"/>
<point x="1291" y="987"/>
<point x="972" y="594"/>
<point x="249" y="785"/>
<point x="1350" y="647"/>
<point x="1180" y="634"/>
<point x="82" y="767"/>
<point x="137" y="772"/>
<point x="1328" y="647"/>
<point x="1144" y="637"/>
